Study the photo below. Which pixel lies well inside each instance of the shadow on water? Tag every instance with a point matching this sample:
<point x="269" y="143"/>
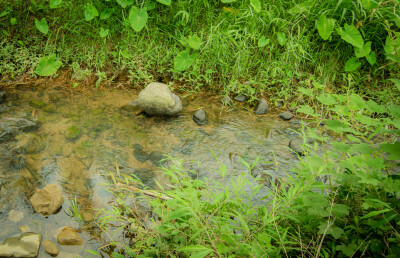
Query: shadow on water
<point x="75" y="141"/>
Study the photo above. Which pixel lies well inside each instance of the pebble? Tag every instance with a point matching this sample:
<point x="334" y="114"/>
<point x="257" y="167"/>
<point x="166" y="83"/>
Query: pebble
<point x="200" y="117"/>
<point x="15" y="216"/>
<point x="240" y="98"/>
<point x="262" y="107"/>
<point x="286" y="115"/>
<point x="50" y="248"/>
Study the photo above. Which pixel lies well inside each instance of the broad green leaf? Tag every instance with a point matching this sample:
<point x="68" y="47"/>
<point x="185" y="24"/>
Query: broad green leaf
<point x="356" y="102"/>
<point x="301" y="7"/>
<point x="393" y="149"/>
<point x="48" y="65"/>
<point x="55" y="3"/>
<point x="369" y="4"/>
<point x="42" y="25"/>
<point x="256" y="4"/>
<point x="364" y="51"/>
<point x="352" y="64"/>
<point x="325" y="26"/>
<point x="166" y="2"/>
<point x="340" y="210"/>
<point x="13" y="21"/>
<point x="396" y="82"/>
<point x="138" y="18"/>
<point x="228" y="1"/>
<point x="374" y="107"/>
<point x="90" y="12"/>
<point x="348" y="250"/>
<point x="281" y="38"/>
<point x="375" y="213"/>
<point x="194" y="42"/>
<point x="4" y="13"/>
<point x="336" y="232"/>
<point x="117" y="255"/>
<point x="262" y="42"/>
<point x="103" y="32"/>
<point x="184" y="60"/>
<point x="327" y="99"/>
<point x="124" y="3"/>
<point x="150" y="5"/>
<point x="371" y="58"/>
<point x="106" y="13"/>
<point x="340" y="146"/>
<point x="351" y="35"/>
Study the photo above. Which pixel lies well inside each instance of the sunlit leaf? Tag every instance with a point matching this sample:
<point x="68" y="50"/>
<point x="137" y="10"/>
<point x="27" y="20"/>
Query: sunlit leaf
<point x="281" y="38"/>
<point x="184" y="60"/>
<point x="106" y="13"/>
<point x="364" y="51"/>
<point x="166" y="2"/>
<point x="352" y="64"/>
<point x="90" y="12"/>
<point x="393" y="149"/>
<point x="124" y="3"/>
<point x="375" y="213"/>
<point x="351" y="35"/>
<point x="194" y="42"/>
<point x="42" y="25"/>
<point x="138" y="18"/>
<point x="327" y="99"/>
<point x="48" y="65"/>
<point x="103" y="32"/>
<point x="301" y="7"/>
<point x="262" y="42"/>
<point x="228" y="1"/>
<point x="55" y="3"/>
<point x="325" y="26"/>
<point x="371" y="58"/>
<point x="256" y="4"/>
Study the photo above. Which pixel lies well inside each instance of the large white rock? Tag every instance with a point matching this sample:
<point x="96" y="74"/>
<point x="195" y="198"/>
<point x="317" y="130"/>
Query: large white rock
<point x="21" y="245"/>
<point x="157" y="99"/>
<point x="48" y="200"/>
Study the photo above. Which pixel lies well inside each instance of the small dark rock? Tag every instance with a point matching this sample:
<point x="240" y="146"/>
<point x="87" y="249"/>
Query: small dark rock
<point x="200" y="117"/>
<point x="37" y="103"/>
<point x="155" y="157"/>
<point x="240" y="98"/>
<point x="131" y="106"/>
<point x="139" y="154"/>
<point x="262" y="107"/>
<point x="296" y="145"/>
<point x="286" y="115"/>
<point x="291" y="132"/>
<point x="2" y="96"/>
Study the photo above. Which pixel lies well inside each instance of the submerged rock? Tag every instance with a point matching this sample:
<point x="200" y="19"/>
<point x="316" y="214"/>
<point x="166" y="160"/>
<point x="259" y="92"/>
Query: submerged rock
<point x="15" y="216"/>
<point x="286" y="115"/>
<point x="155" y="157"/>
<point x="157" y="99"/>
<point x="2" y="96"/>
<point x="30" y="143"/>
<point x="131" y="106"/>
<point x="68" y="236"/>
<point x="50" y="248"/>
<point x="11" y="126"/>
<point x="240" y="98"/>
<point x="21" y="245"/>
<point x="262" y="107"/>
<point x="73" y="133"/>
<point x="36" y="103"/>
<point x="48" y="200"/>
<point x="200" y="117"/>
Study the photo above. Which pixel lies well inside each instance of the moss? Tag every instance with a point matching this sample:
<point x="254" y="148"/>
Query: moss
<point x="36" y="103"/>
<point x="73" y="133"/>
<point x="50" y="108"/>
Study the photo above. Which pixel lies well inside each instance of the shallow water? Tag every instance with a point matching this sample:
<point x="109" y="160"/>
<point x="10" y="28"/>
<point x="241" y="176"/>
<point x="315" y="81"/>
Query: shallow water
<point x="114" y="137"/>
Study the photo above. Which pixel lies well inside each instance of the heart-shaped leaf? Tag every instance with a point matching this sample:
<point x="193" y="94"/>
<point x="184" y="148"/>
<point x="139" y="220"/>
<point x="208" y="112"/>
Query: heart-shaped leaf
<point x="166" y="2"/>
<point x="55" y="3"/>
<point x="364" y="51"/>
<point x="42" y="25"/>
<point x="103" y="32"/>
<point x="184" y="60"/>
<point x="106" y="13"/>
<point x="138" y="18"/>
<point x="262" y="42"/>
<point x="351" y="35"/>
<point x="48" y="65"/>
<point x="325" y="26"/>
<point x="194" y="42"/>
<point x="90" y="12"/>
<point x="352" y="64"/>
<point x="124" y="3"/>
<point x="256" y="4"/>
<point x="281" y="38"/>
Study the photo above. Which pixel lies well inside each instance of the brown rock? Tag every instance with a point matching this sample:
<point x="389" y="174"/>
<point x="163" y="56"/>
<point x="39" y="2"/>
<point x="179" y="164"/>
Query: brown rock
<point x="47" y="200"/>
<point x="50" y="248"/>
<point x="68" y="236"/>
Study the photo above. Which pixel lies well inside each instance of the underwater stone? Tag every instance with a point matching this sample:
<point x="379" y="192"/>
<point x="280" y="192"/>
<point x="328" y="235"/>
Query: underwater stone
<point x="262" y="107"/>
<point x="200" y="117"/>
<point x="50" y="108"/>
<point x="2" y="96"/>
<point x="37" y="103"/>
<point x="73" y="133"/>
<point x="50" y="248"/>
<point x="68" y="236"/>
<point x="48" y="200"/>
<point x="30" y="143"/>
<point x="21" y="245"/>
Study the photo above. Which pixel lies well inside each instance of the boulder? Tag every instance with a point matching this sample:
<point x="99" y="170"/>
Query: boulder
<point x="262" y="107"/>
<point x="157" y="99"/>
<point x="21" y="245"/>
<point x="47" y="200"/>
<point x="68" y="236"/>
<point x="200" y="117"/>
<point x="50" y="248"/>
<point x="286" y="115"/>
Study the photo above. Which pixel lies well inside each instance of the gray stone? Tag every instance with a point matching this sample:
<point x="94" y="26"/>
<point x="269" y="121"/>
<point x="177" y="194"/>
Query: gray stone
<point x="47" y="200"/>
<point x="68" y="236"/>
<point x="200" y="117"/>
<point x="15" y="216"/>
<point x="262" y="107"/>
<point x="10" y="126"/>
<point x="155" y="157"/>
<point x="2" y="96"/>
<point x="131" y="106"/>
<point x="50" y="248"/>
<point x="286" y="115"/>
<point x="157" y="99"/>
<point x="240" y="98"/>
<point x="296" y="145"/>
<point x="30" y="143"/>
<point x="21" y="245"/>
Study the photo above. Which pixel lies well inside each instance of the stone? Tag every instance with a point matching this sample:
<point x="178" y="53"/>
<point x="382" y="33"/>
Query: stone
<point x="68" y="236"/>
<point x="87" y="216"/>
<point x="262" y="107"/>
<point x="286" y="115"/>
<point x="50" y="248"/>
<point x="50" y="108"/>
<point x="73" y="133"/>
<point x="11" y="126"/>
<point x="200" y="117"/>
<point x="2" y="96"/>
<point x="131" y="106"/>
<point x="15" y="216"/>
<point x="30" y="143"/>
<point x="157" y="99"/>
<point x="36" y="103"/>
<point x="296" y="145"/>
<point x="155" y="157"/>
<point x="69" y="255"/>
<point x="139" y="154"/>
<point x="240" y="98"/>
<point x="21" y="245"/>
<point x="24" y="229"/>
<point x="48" y="200"/>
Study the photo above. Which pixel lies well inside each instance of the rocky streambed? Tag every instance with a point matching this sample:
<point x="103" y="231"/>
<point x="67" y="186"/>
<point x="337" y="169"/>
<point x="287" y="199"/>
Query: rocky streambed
<point x="69" y="143"/>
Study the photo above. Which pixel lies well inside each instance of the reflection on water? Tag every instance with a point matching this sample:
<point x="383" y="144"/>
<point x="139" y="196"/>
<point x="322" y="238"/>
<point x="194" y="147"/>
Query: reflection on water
<point x="81" y="138"/>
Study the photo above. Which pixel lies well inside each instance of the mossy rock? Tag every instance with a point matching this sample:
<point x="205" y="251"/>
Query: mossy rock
<point x="50" y="108"/>
<point x="37" y="103"/>
<point x="73" y="133"/>
<point x="30" y="143"/>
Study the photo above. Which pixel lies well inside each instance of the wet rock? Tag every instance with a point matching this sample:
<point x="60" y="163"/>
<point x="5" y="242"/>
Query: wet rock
<point x="15" y="216"/>
<point x="139" y="154"/>
<point x="69" y="255"/>
<point x="240" y="98"/>
<point x="131" y="106"/>
<point x="24" y="229"/>
<point x="262" y="107"/>
<point x="48" y="200"/>
<point x="2" y="96"/>
<point x="50" y="108"/>
<point x="30" y="143"/>
<point x="291" y="132"/>
<point x="54" y="97"/>
<point x="50" y="248"/>
<point x="21" y="245"/>
<point x="69" y="236"/>
<point x="157" y="99"/>
<point x="200" y="117"/>
<point x="87" y="216"/>
<point x="11" y="126"/>
<point x="36" y="103"/>
<point x="155" y="157"/>
<point x="286" y="115"/>
<point x="73" y="133"/>
<point x="296" y="145"/>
